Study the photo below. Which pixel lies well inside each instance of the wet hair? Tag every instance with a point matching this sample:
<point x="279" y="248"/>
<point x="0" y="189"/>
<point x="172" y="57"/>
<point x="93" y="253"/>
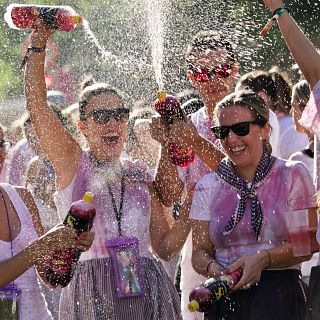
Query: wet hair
<point x="207" y="40"/>
<point x="273" y="83"/>
<point x="192" y="106"/>
<point x="89" y="89"/>
<point x="301" y="93"/>
<point x="251" y="101"/>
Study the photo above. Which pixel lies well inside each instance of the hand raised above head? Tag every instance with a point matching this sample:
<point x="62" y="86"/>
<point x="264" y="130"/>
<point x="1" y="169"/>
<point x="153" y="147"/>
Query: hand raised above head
<point x="273" y="4"/>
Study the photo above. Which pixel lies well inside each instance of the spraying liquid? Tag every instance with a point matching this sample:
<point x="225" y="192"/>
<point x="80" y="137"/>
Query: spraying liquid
<point x="107" y="55"/>
<point x="156" y="17"/>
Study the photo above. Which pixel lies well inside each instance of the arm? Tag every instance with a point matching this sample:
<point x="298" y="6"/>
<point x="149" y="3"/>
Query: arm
<point x="276" y="258"/>
<point x="167" y="182"/>
<point x="203" y="250"/>
<point x="56" y="238"/>
<point x="301" y="48"/>
<point x="62" y="150"/>
<point x="167" y="240"/>
<point x="185" y="134"/>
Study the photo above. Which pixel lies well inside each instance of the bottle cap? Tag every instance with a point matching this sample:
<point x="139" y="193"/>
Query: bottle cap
<point x="161" y="95"/>
<point x="88" y="197"/>
<point x="76" y="19"/>
<point x="193" y="306"/>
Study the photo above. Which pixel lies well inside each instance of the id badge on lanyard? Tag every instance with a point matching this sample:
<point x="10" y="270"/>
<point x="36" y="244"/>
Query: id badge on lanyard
<point x="124" y="254"/>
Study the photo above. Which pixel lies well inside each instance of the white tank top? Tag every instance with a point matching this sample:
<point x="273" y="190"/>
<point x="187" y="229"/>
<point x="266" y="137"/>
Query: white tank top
<point x="32" y="304"/>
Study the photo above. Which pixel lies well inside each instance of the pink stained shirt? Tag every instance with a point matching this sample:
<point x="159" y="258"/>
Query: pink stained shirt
<point x="136" y="206"/>
<point x="288" y="187"/>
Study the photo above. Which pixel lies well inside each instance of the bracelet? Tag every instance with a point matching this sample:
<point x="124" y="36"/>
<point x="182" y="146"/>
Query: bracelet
<point x="275" y="16"/>
<point x="282" y="9"/>
<point x="30" y="49"/>
<point x="269" y="259"/>
<point x="208" y="266"/>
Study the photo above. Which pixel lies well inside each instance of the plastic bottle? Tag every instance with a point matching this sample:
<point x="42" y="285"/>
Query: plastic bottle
<point x="169" y="109"/>
<point x="203" y="298"/>
<point x="63" y="262"/>
<point x="19" y="16"/>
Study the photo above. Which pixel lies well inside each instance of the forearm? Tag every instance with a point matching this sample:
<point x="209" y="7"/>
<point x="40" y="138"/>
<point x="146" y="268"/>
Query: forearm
<point x="201" y="259"/>
<point x="167" y="182"/>
<point x="207" y="152"/>
<point x="301" y="48"/>
<point x="282" y="257"/>
<point x="17" y="265"/>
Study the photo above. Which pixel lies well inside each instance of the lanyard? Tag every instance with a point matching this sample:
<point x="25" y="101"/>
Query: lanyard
<point x="118" y="212"/>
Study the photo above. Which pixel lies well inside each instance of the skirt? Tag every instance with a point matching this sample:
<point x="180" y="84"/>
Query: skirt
<point x="279" y="295"/>
<point x="91" y="294"/>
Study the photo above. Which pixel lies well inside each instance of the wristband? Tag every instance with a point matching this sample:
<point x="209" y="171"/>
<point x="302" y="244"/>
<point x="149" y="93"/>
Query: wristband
<point x="30" y="49"/>
<point x="276" y="14"/>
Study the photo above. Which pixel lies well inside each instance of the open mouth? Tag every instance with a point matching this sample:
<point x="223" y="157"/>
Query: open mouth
<point x="111" y="139"/>
<point x="238" y="150"/>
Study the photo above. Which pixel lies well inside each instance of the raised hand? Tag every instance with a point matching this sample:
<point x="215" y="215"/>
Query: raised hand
<point x="273" y="4"/>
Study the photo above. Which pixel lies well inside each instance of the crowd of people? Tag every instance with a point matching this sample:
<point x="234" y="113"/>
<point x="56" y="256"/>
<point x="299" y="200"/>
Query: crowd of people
<point x="256" y="139"/>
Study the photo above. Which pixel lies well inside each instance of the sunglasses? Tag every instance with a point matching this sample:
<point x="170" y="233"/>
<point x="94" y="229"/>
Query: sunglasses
<point x="205" y="74"/>
<point x="241" y="129"/>
<point x="102" y="116"/>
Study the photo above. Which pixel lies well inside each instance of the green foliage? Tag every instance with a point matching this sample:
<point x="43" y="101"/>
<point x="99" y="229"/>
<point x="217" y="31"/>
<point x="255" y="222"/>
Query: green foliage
<point x="121" y="27"/>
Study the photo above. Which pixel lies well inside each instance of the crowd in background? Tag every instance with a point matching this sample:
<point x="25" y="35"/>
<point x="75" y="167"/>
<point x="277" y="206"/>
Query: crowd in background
<point x="255" y="160"/>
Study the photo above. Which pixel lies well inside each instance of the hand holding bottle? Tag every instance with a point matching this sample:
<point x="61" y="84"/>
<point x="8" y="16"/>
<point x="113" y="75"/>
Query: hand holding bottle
<point x="252" y="266"/>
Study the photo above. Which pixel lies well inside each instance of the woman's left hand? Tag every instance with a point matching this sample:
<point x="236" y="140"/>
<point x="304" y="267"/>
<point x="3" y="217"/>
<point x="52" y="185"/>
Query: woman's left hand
<point x="251" y="266"/>
<point x="85" y="240"/>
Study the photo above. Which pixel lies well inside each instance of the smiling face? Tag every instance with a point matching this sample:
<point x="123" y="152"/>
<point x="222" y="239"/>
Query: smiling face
<point x="244" y="151"/>
<point x="216" y="87"/>
<point x="104" y="139"/>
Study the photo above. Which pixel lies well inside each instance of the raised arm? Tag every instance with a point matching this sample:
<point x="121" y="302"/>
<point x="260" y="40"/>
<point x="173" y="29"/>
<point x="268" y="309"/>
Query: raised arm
<point x="300" y="46"/>
<point x="61" y="149"/>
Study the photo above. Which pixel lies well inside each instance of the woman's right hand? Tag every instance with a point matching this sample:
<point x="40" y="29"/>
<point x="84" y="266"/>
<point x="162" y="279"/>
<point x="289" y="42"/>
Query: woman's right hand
<point x="62" y="237"/>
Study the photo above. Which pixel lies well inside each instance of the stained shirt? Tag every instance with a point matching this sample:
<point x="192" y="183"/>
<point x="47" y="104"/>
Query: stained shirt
<point x="136" y="204"/>
<point x="288" y="187"/>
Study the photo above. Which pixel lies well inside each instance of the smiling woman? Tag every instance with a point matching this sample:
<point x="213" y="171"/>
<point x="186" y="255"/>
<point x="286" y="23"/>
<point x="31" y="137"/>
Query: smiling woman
<point x="125" y="199"/>
<point x="238" y="216"/>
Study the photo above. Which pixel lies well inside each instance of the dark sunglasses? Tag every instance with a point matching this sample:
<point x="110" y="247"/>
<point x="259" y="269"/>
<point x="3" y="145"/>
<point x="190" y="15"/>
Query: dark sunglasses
<point x="240" y="129"/>
<point x="103" y="116"/>
<point x="205" y="74"/>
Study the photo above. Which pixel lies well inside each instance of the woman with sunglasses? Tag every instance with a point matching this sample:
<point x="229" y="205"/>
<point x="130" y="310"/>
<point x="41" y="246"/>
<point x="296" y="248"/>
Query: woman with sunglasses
<point x="126" y="202"/>
<point x="23" y="244"/>
<point x="238" y="216"/>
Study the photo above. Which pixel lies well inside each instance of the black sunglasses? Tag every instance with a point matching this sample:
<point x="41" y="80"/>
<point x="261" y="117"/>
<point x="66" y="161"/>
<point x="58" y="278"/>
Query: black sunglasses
<point x="240" y="129"/>
<point x="103" y="116"/>
<point x="205" y="74"/>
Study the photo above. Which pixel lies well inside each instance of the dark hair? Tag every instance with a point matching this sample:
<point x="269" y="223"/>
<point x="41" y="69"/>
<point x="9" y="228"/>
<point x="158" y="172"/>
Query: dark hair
<point x="89" y="89"/>
<point x="273" y="83"/>
<point x="205" y="40"/>
<point x="253" y="102"/>
<point x="301" y="93"/>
